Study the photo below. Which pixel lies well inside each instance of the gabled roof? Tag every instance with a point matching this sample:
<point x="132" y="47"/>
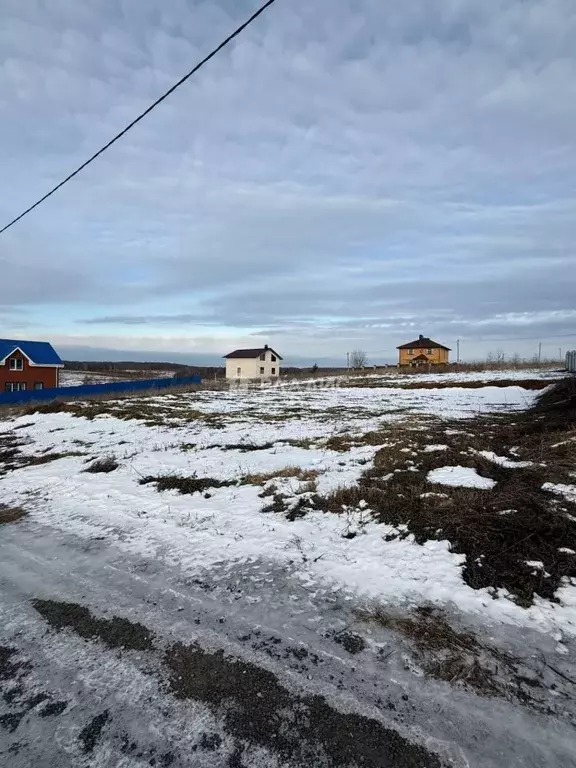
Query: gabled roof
<point x="251" y="354"/>
<point x="38" y="352"/>
<point x="423" y="342"/>
<point x="419" y="359"/>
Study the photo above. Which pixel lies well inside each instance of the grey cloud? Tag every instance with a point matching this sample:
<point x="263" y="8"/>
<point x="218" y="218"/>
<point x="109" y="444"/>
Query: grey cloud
<point x="345" y="162"/>
<point x="145" y="320"/>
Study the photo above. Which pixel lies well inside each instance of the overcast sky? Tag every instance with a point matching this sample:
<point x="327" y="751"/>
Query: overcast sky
<point x="348" y="174"/>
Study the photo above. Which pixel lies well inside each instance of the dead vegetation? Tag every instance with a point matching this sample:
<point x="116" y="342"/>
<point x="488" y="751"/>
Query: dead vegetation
<point x="12" y="457"/>
<point x="460" y="658"/>
<point x="11" y="514"/>
<point x="138" y="408"/>
<point x="534" y="384"/>
<point x="244" y="447"/>
<point x="298" y="473"/>
<point x="185" y="485"/>
<point x="503" y="531"/>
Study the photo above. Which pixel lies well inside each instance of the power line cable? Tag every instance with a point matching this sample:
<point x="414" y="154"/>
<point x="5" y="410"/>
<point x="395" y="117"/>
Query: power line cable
<point x="158" y="101"/>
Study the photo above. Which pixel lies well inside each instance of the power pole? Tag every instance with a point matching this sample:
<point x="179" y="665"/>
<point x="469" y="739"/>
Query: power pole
<point x="348" y="361"/>
<point x="458" y="350"/>
<point x="560" y="354"/>
<point x="539" y="352"/>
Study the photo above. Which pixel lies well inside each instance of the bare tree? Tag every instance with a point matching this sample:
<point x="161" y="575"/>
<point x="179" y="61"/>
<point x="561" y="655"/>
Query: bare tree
<point x="515" y="360"/>
<point x="358" y="358"/>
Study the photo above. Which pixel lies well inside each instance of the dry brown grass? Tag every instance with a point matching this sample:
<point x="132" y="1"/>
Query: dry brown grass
<point x="298" y="473"/>
<point x="184" y="485"/>
<point x="459" y="657"/>
<point x="533" y="384"/>
<point x="11" y="514"/>
<point x="498" y="530"/>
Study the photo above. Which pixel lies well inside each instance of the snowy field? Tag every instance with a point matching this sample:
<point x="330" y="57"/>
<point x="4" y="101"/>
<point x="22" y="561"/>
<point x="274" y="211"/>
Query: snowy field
<point x="396" y="378"/>
<point x="77" y="378"/>
<point x="203" y="486"/>
<point x="230" y="436"/>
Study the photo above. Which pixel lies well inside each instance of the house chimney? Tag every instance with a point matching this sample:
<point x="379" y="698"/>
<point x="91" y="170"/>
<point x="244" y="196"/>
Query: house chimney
<point x="265" y="346"/>
<point x="420" y="337"/>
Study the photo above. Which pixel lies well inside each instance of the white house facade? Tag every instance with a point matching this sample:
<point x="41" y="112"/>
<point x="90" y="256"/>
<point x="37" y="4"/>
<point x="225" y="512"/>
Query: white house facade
<point x="260" y="363"/>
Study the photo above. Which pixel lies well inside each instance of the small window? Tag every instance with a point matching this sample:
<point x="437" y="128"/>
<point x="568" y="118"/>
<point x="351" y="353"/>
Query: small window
<point x="273" y="358"/>
<point x="263" y="356"/>
<point x="38" y="385"/>
<point x="9" y="387"/>
<point x="261" y="370"/>
<point x="410" y="351"/>
<point x="16" y="364"/>
<point x="273" y="371"/>
<point x="238" y="372"/>
<point x="21" y="386"/>
<point x="428" y="351"/>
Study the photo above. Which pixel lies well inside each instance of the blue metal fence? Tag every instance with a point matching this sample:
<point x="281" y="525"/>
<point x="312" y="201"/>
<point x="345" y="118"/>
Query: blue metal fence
<point x="89" y="390"/>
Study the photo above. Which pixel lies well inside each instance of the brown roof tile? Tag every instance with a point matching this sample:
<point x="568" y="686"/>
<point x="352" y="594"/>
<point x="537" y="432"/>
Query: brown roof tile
<point x="423" y="342"/>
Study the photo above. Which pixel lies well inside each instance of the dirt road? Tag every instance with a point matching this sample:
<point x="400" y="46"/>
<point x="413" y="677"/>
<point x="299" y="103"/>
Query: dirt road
<point x="111" y="660"/>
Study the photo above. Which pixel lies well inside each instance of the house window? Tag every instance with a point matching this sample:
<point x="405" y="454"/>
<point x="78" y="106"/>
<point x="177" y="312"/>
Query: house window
<point x="238" y="372"/>
<point x="273" y="371"/>
<point x="428" y="351"/>
<point x="15" y="386"/>
<point x="263" y="356"/>
<point x="410" y="351"/>
<point x="9" y="387"/>
<point x="38" y="385"/>
<point x="261" y="370"/>
<point x="16" y="364"/>
<point x="273" y="358"/>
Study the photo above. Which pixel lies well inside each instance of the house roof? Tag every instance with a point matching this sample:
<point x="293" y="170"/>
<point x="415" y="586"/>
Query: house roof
<point x="38" y="352"/>
<point x="423" y="342"/>
<point x="251" y="354"/>
<point x="419" y="358"/>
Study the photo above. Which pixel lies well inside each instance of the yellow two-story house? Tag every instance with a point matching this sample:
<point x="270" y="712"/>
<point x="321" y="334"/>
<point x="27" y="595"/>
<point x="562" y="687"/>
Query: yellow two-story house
<point x="423" y="351"/>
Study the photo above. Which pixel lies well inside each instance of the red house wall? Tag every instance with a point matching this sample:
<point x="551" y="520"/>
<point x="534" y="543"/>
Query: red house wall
<point x="30" y="375"/>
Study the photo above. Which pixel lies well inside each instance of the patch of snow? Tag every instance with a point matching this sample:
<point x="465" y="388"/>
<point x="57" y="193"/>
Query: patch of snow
<point x="535" y="564"/>
<point x="465" y="477"/>
<point x="566" y="551"/>
<point x="568" y="491"/>
<point x="433" y="448"/>
<point x="503" y="461"/>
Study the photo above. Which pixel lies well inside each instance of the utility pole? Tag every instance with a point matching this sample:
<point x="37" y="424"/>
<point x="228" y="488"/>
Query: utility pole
<point x="539" y="352"/>
<point x="560" y="354"/>
<point x="458" y="350"/>
<point x="348" y="361"/>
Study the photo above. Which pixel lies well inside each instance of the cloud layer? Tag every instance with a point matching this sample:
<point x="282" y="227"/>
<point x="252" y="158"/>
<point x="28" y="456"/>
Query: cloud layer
<point x="349" y="173"/>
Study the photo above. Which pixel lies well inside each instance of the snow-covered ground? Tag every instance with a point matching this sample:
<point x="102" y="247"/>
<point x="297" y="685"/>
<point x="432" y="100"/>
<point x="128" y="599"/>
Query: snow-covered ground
<point x="399" y="378"/>
<point x="217" y="569"/>
<point x="77" y="378"/>
<point x="226" y="522"/>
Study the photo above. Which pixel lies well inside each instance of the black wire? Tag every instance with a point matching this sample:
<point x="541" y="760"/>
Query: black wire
<point x="182" y="80"/>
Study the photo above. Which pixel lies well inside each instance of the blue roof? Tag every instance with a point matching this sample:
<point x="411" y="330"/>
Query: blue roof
<point x="39" y="352"/>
